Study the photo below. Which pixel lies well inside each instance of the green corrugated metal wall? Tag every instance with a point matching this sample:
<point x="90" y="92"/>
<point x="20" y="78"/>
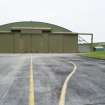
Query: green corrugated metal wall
<point x="6" y="43"/>
<point x="56" y="43"/>
<point x="38" y="43"/>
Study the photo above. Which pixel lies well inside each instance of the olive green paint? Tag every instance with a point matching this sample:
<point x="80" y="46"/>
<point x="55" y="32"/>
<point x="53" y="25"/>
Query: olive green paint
<point x="55" y="43"/>
<point x="38" y="43"/>
<point x="70" y="43"/>
<point x="6" y="43"/>
<point x="57" y="40"/>
<point x="17" y="43"/>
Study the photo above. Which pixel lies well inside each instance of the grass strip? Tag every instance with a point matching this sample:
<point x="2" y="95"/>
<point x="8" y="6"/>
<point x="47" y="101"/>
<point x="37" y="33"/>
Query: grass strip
<point x="97" y="54"/>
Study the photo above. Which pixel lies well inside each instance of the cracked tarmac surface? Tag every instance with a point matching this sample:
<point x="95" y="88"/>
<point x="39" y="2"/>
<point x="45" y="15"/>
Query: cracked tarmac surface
<point x="86" y="87"/>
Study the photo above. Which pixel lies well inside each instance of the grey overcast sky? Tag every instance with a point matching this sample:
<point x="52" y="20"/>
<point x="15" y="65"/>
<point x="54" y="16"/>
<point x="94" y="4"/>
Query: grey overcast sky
<point x="76" y="15"/>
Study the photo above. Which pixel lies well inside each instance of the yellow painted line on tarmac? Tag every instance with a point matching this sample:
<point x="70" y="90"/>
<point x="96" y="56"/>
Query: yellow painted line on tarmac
<point x="64" y="88"/>
<point x="31" y="85"/>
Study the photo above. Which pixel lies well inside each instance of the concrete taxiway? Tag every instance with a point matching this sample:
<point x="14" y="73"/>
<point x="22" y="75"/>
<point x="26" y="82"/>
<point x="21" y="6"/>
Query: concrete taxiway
<point x="37" y="79"/>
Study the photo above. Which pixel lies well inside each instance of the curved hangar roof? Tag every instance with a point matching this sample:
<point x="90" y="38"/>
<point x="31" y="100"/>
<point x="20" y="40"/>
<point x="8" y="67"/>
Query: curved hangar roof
<point x="27" y="24"/>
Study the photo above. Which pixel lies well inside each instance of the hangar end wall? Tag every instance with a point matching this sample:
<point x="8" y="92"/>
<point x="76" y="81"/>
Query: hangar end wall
<point x="39" y="38"/>
<point x="38" y="43"/>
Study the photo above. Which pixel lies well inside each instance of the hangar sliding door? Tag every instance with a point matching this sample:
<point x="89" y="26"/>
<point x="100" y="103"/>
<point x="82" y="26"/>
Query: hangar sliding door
<point x="55" y="43"/>
<point x="18" y="43"/>
<point x="6" y="43"/>
<point x="69" y="43"/>
<point x="39" y="43"/>
<point x="31" y="43"/>
<point x="25" y="43"/>
<point x="22" y="43"/>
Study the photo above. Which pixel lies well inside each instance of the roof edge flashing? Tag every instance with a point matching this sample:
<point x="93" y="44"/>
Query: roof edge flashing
<point x="31" y="28"/>
<point x="65" y="33"/>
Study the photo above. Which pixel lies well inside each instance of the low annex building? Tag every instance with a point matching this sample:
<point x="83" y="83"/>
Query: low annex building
<point x="37" y="37"/>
